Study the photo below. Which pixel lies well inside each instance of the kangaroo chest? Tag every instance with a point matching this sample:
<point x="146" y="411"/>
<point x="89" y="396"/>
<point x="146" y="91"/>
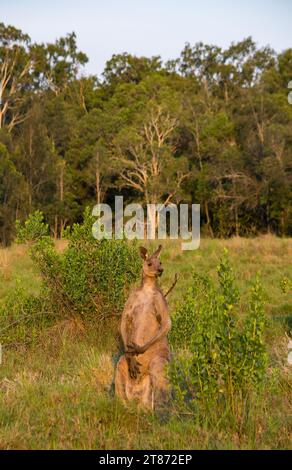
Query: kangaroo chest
<point x="143" y="319"/>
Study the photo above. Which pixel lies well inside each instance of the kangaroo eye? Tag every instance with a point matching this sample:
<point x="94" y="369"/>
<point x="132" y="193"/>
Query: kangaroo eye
<point x="149" y="264"/>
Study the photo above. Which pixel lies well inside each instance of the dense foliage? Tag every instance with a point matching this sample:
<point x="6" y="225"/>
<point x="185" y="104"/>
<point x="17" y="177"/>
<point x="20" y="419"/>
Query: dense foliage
<point x="219" y="357"/>
<point x="88" y="279"/>
<point x="211" y="127"/>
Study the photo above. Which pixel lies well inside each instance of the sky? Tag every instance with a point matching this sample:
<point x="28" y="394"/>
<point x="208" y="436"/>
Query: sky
<point x="150" y="27"/>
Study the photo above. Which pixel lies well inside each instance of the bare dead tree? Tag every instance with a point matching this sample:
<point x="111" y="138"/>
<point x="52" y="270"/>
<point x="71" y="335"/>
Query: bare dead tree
<point x="143" y="161"/>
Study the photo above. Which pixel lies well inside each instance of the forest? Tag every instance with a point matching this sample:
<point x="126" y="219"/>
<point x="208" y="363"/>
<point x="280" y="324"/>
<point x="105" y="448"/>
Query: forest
<point x="211" y="127"/>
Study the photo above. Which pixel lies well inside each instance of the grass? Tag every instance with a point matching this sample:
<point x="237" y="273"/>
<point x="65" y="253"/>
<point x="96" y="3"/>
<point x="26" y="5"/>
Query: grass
<point x="57" y="392"/>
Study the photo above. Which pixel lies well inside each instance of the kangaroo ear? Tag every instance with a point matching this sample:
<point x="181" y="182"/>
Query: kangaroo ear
<point x="157" y="252"/>
<point x="143" y="252"/>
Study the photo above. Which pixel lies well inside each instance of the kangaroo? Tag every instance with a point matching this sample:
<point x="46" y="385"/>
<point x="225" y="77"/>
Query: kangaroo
<point x="140" y="373"/>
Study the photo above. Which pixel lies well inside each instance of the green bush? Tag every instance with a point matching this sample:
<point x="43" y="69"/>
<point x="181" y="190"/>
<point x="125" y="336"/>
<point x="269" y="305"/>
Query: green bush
<point x="33" y="229"/>
<point x="23" y="316"/>
<point x="218" y="355"/>
<point x="90" y="277"/>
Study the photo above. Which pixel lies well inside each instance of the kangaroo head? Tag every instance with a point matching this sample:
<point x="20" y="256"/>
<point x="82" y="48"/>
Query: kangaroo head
<point x="151" y="264"/>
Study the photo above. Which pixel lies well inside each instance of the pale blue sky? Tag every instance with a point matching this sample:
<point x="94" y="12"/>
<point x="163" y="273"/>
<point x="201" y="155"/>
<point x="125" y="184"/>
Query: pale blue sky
<point x="149" y="27"/>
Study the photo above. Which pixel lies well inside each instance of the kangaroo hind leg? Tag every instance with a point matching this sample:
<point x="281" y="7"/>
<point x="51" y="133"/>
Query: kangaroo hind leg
<point x="160" y="383"/>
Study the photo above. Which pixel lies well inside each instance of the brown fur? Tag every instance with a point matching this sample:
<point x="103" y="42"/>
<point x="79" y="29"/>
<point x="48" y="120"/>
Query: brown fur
<point x="141" y="373"/>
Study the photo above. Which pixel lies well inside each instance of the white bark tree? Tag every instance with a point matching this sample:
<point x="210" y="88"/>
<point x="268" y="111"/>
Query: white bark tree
<point x="15" y="67"/>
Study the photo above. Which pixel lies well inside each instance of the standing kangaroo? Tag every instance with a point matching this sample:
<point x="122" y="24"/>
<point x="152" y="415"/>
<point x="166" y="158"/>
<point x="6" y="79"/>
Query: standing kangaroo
<point x="141" y="373"/>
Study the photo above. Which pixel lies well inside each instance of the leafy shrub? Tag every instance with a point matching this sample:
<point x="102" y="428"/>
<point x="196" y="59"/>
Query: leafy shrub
<point x="219" y="357"/>
<point x="33" y="229"/>
<point x="90" y="277"/>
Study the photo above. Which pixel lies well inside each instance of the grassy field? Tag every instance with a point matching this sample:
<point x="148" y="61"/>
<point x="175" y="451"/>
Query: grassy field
<point x="57" y="391"/>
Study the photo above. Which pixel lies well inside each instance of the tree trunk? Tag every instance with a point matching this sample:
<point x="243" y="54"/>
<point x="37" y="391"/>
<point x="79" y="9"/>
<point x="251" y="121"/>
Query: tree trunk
<point x="56" y="227"/>
<point x="236" y="221"/>
<point x="30" y="156"/>
<point x="208" y="220"/>
<point x="97" y="179"/>
<point x="61" y="187"/>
